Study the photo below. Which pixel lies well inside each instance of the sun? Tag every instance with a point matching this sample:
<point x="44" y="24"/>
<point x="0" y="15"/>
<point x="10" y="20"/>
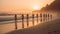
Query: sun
<point x="36" y="7"/>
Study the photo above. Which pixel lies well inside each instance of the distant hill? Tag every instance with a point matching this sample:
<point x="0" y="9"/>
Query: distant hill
<point x="53" y="6"/>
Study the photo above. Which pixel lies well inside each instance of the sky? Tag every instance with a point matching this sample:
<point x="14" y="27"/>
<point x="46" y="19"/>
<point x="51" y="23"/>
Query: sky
<point x="22" y="6"/>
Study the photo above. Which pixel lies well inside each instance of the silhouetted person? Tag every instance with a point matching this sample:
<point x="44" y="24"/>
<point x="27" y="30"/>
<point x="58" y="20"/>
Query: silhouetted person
<point x="41" y="17"/>
<point x="37" y="17"/>
<point x="27" y="20"/>
<point x="15" y="21"/>
<point x="22" y="20"/>
<point x="51" y="17"/>
<point x="33" y="19"/>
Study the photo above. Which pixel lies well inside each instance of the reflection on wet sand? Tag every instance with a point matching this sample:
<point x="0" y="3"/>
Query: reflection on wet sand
<point x="26" y="21"/>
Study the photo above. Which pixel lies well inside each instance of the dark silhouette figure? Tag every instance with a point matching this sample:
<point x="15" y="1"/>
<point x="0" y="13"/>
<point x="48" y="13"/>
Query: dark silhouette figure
<point x="37" y="17"/>
<point x="33" y="19"/>
<point x="27" y="20"/>
<point x="41" y="17"/>
<point x="15" y="21"/>
<point x="22" y="20"/>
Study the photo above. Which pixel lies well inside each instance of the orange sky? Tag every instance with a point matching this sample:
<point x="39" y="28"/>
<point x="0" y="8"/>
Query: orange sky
<point x="18" y="6"/>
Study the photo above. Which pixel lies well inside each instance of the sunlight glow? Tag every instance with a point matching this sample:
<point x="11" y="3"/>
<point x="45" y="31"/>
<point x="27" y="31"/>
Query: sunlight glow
<point x="36" y="7"/>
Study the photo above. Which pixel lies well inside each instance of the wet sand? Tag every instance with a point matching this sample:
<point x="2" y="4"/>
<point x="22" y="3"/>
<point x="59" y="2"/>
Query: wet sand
<point x="4" y="28"/>
<point x="52" y="27"/>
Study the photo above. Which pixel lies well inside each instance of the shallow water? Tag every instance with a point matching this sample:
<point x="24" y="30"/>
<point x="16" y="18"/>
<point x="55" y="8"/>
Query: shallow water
<point x="7" y="26"/>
